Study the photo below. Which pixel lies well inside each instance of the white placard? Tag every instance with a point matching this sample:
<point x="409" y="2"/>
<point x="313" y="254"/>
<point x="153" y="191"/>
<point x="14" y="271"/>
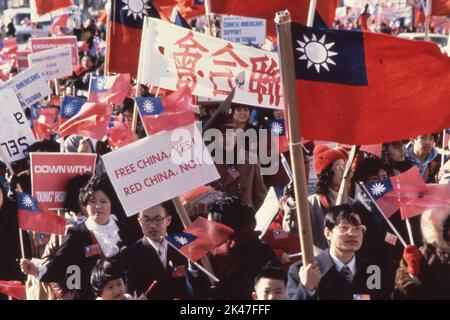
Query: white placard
<point x="29" y="85"/>
<point x="243" y="30"/>
<point x="267" y="212"/>
<point x="149" y="171"/>
<point x="15" y="133"/>
<point x="172" y="57"/>
<point x="57" y="62"/>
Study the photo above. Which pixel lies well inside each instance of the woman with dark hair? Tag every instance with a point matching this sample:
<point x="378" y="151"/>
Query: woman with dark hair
<point x="329" y="167"/>
<point x="100" y="236"/>
<point x="108" y="280"/>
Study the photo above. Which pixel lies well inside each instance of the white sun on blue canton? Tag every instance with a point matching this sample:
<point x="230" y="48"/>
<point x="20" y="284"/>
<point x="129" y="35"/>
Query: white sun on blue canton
<point x="181" y="240"/>
<point x="69" y="110"/>
<point x="100" y="83"/>
<point x="148" y="106"/>
<point x="277" y="129"/>
<point x="27" y="201"/>
<point x="316" y="52"/>
<point x="137" y="8"/>
<point x="378" y="189"/>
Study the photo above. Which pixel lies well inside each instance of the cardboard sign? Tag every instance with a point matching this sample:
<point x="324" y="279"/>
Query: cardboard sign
<point x="51" y="173"/>
<point x="243" y="30"/>
<point x="15" y="133"/>
<point x="22" y="60"/>
<point x="42" y="44"/>
<point x="172" y="57"/>
<point x="29" y="85"/>
<point x="158" y="168"/>
<point x="58" y="62"/>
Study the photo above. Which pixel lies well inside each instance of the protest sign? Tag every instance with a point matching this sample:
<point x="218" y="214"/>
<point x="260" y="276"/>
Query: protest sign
<point x="158" y="168"/>
<point x="57" y="62"/>
<point x="22" y="60"/>
<point x="41" y="44"/>
<point x="243" y="30"/>
<point x="15" y="133"/>
<point x="51" y="173"/>
<point x="173" y="57"/>
<point x="29" y="85"/>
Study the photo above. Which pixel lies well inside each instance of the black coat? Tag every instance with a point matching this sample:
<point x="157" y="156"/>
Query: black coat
<point x="332" y="285"/>
<point x="72" y="252"/>
<point x="142" y="266"/>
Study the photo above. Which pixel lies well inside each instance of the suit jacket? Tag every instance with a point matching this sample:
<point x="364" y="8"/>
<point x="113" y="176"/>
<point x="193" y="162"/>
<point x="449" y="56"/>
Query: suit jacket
<point x="142" y="266"/>
<point x="72" y="253"/>
<point x="332" y="285"/>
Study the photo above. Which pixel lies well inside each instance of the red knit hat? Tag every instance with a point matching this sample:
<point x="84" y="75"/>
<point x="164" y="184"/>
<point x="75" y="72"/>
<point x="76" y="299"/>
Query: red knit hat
<point x="324" y="156"/>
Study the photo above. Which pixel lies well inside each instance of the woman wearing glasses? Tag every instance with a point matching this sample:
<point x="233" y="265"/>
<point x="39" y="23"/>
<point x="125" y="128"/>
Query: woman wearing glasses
<point x="329" y="167"/>
<point x="100" y="236"/>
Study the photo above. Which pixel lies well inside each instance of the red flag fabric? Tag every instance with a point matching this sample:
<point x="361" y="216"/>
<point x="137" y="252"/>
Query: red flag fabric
<point x="119" y="133"/>
<point x="440" y="8"/>
<point x="13" y="289"/>
<point x="435" y="195"/>
<point x="45" y="121"/>
<point x="109" y="89"/>
<point x="91" y="121"/>
<point x="36" y="217"/>
<point x="8" y="46"/>
<point x="419" y="15"/>
<point x="124" y="35"/>
<point x="47" y="6"/>
<point x="166" y="113"/>
<point x="60" y="21"/>
<point x="187" y="8"/>
<point x="5" y="68"/>
<point x="267" y="9"/>
<point x="200" y="237"/>
<point x="390" y="194"/>
<point x="364" y="88"/>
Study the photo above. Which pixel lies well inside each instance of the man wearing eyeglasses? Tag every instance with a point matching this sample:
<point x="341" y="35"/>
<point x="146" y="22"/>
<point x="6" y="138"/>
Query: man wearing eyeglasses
<point x="338" y="272"/>
<point x="151" y="259"/>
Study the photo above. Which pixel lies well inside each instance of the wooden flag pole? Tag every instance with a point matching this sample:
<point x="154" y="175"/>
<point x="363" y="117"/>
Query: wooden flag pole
<point x="342" y="196"/>
<point x="286" y="55"/>
<point x="208" y="17"/>
<point x="427" y="19"/>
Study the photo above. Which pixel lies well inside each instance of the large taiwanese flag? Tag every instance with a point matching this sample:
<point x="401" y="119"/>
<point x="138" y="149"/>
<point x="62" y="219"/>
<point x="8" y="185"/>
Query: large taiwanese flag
<point x="46" y="6"/>
<point x="298" y="9"/>
<point x="124" y="33"/>
<point x="367" y="88"/>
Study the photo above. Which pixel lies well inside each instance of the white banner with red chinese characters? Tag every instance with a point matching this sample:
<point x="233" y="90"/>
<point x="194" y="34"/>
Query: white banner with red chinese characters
<point x="172" y="57"/>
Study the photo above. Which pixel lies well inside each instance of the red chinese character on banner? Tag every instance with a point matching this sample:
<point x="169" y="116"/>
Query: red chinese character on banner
<point x="227" y="74"/>
<point x="265" y="79"/>
<point x="186" y="61"/>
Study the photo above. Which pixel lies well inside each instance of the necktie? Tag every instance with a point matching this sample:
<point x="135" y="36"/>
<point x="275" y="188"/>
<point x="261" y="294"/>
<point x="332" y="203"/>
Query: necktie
<point x="162" y="256"/>
<point x="347" y="274"/>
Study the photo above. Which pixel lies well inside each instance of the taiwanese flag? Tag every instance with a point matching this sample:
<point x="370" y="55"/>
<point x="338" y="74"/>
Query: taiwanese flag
<point x="90" y="121"/>
<point x="166" y="113"/>
<point x="35" y="217"/>
<point x="278" y="129"/>
<point x="178" y="20"/>
<point x="440" y="8"/>
<point x="119" y="133"/>
<point x="45" y="121"/>
<point x="124" y="34"/>
<point x="8" y="46"/>
<point x="199" y="238"/>
<point x="390" y="194"/>
<point x="187" y="8"/>
<point x="60" y="21"/>
<point x="13" y="289"/>
<point x="435" y="196"/>
<point x="70" y="106"/>
<point x="46" y="6"/>
<point x="325" y="11"/>
<point x="280" y="234"/>
<point x="364" y="88"/>
<point x="419" y="14"/>
<point x="109" y="89"/>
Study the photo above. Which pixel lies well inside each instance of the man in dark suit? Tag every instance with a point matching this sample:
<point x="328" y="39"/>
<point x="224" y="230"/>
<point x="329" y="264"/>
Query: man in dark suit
<point x="337" y="273"/>
<point x="152" y="259"/>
